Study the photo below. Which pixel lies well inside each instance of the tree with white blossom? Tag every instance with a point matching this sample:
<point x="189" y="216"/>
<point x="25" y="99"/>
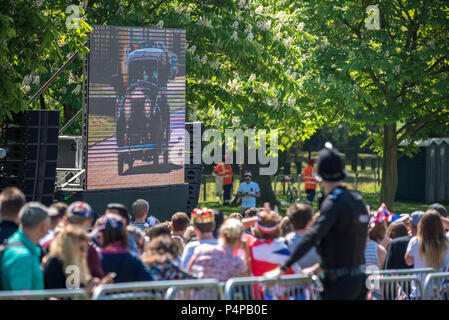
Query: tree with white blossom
<point x="395" y="78"/>
<point x="237" y="58"/>
<point x="34" y="43"/>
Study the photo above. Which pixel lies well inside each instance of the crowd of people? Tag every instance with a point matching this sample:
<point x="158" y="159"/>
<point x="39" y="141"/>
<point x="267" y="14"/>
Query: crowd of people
<point x="44" y="246"/>
<point x="67" y="246"/>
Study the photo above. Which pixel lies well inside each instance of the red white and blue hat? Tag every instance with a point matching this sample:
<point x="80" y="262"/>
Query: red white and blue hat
<point x="80" y="208"/>
<point x="248" y="173"/>
<point x="110" y="221"/>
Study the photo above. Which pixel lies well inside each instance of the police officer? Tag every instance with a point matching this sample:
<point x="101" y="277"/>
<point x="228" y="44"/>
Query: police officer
<point x="339" y="233"/>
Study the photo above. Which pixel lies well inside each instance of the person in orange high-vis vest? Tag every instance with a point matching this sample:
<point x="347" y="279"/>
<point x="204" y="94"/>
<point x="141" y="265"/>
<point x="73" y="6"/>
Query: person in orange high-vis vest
<point x="309" y="177"/>
<point x="225" y="170"/>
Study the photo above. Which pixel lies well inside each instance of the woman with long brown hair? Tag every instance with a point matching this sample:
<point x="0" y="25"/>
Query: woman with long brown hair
<point x="430" y="247"/>
<point x="116" y="256"/>
<point x="160" y="256"/>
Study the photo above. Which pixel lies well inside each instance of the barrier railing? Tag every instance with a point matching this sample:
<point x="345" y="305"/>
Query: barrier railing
<point x="399" y="284"/>
<point x="436" y="286"/>
<point x="407" y="287"/>
<point x="204" y="289"/>
<point x="402" y="272"/>
<point x="74" y="294"/>
<point x="289" y="287"/>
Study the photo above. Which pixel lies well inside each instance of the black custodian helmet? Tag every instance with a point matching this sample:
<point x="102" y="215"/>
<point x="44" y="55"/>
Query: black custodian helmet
<point x="330" y="165"/>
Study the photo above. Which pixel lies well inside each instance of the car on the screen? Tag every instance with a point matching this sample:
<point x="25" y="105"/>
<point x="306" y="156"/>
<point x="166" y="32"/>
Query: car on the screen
<point x="142" y="113"/>
<point x="171" y="56"/>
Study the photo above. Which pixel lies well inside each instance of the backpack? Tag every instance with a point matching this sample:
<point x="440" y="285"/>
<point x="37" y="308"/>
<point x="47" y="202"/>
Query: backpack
<point x="5" y="245"/>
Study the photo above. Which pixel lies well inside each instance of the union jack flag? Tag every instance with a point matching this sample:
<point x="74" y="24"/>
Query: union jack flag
<point x="444" y="285"/>
<point x="383" y="214"/>
<point x="400" y="294"/>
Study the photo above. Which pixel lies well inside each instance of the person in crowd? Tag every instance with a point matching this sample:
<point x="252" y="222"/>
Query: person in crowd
<point x="340" y="232"/>
<point x="56" y="213"/>
<point x="11" y="201"/>
<point x="79" y="214"/>
<point x="378" y="233"/>
<point x="179" y="223"/>
<point x="235" y="215"/>
<point x="374" y="260"/>
<point x="190" y="235"/>
<point x="396" y="230"/>
<point x="219" y="219"/>
<point x="158" y="229"/>
<point x="115" y="253"/>
<point x="67" y="257"/>
<point x="301" y="218"/>
<point x="398" y="247"/>
<point x="152" y="221"/>
<point x="375" y="254"/>
<point x="121" y="210"/>
<point x="218" y="261"/>
<point x="225" y="171"/>
<point x="439" y="208"/>
<point x="68" y="249"/>
<point x="249" y="191"/>
<point x="204" y="223"/>
<point x="251" y="212"/>
<point x="139" y="237"/>
<point x="140" y="212"/>
<point x="20" y="264"/>
<point x="430" y="247"/>
<point x="285" y="227"/>
<point x="266" y="249"/>
<point x="443" y="213"/>
<point x="160" y="257"/>
<point x="309" y="177"/>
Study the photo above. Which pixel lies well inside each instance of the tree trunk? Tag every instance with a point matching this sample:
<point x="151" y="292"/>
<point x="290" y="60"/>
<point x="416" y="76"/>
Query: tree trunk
<point x="389" y="166"/>
<point x="264" y="182"/>
<point x="69" y="112"/>
<point x="42" y="102"/>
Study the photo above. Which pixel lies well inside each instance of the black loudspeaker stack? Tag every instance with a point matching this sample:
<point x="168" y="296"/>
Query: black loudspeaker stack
<point x="31" y="143"/>
<point x="193" y="162"/>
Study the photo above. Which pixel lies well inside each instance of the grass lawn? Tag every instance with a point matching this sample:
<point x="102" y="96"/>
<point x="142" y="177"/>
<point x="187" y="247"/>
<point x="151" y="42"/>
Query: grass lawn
<point x="371" y="199"/>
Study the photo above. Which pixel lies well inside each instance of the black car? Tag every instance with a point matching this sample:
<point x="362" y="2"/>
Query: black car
<point x="142" y="113"/>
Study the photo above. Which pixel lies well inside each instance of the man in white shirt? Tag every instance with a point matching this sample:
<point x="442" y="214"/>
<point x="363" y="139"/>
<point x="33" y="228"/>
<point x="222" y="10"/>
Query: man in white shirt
<point x="249" y="191"/>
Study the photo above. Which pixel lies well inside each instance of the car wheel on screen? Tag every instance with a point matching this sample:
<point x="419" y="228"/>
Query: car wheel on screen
<point x="120" y="164"/>
<point x="166" y="156"/>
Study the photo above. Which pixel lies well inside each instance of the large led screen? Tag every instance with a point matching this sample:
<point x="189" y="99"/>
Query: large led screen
<point x="136" y="107"/>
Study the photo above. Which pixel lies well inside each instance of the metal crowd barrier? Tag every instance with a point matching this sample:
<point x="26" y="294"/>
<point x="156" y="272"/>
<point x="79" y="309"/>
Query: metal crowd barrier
<point x="436" y="286"/>
<point x="289" y="287"/>
<point x="406" y="287"/>
<point x="203" y="289"/>
<point x="73" y="294"/>
<point x="401" y="272"/>
<point x="402" y="284"/>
